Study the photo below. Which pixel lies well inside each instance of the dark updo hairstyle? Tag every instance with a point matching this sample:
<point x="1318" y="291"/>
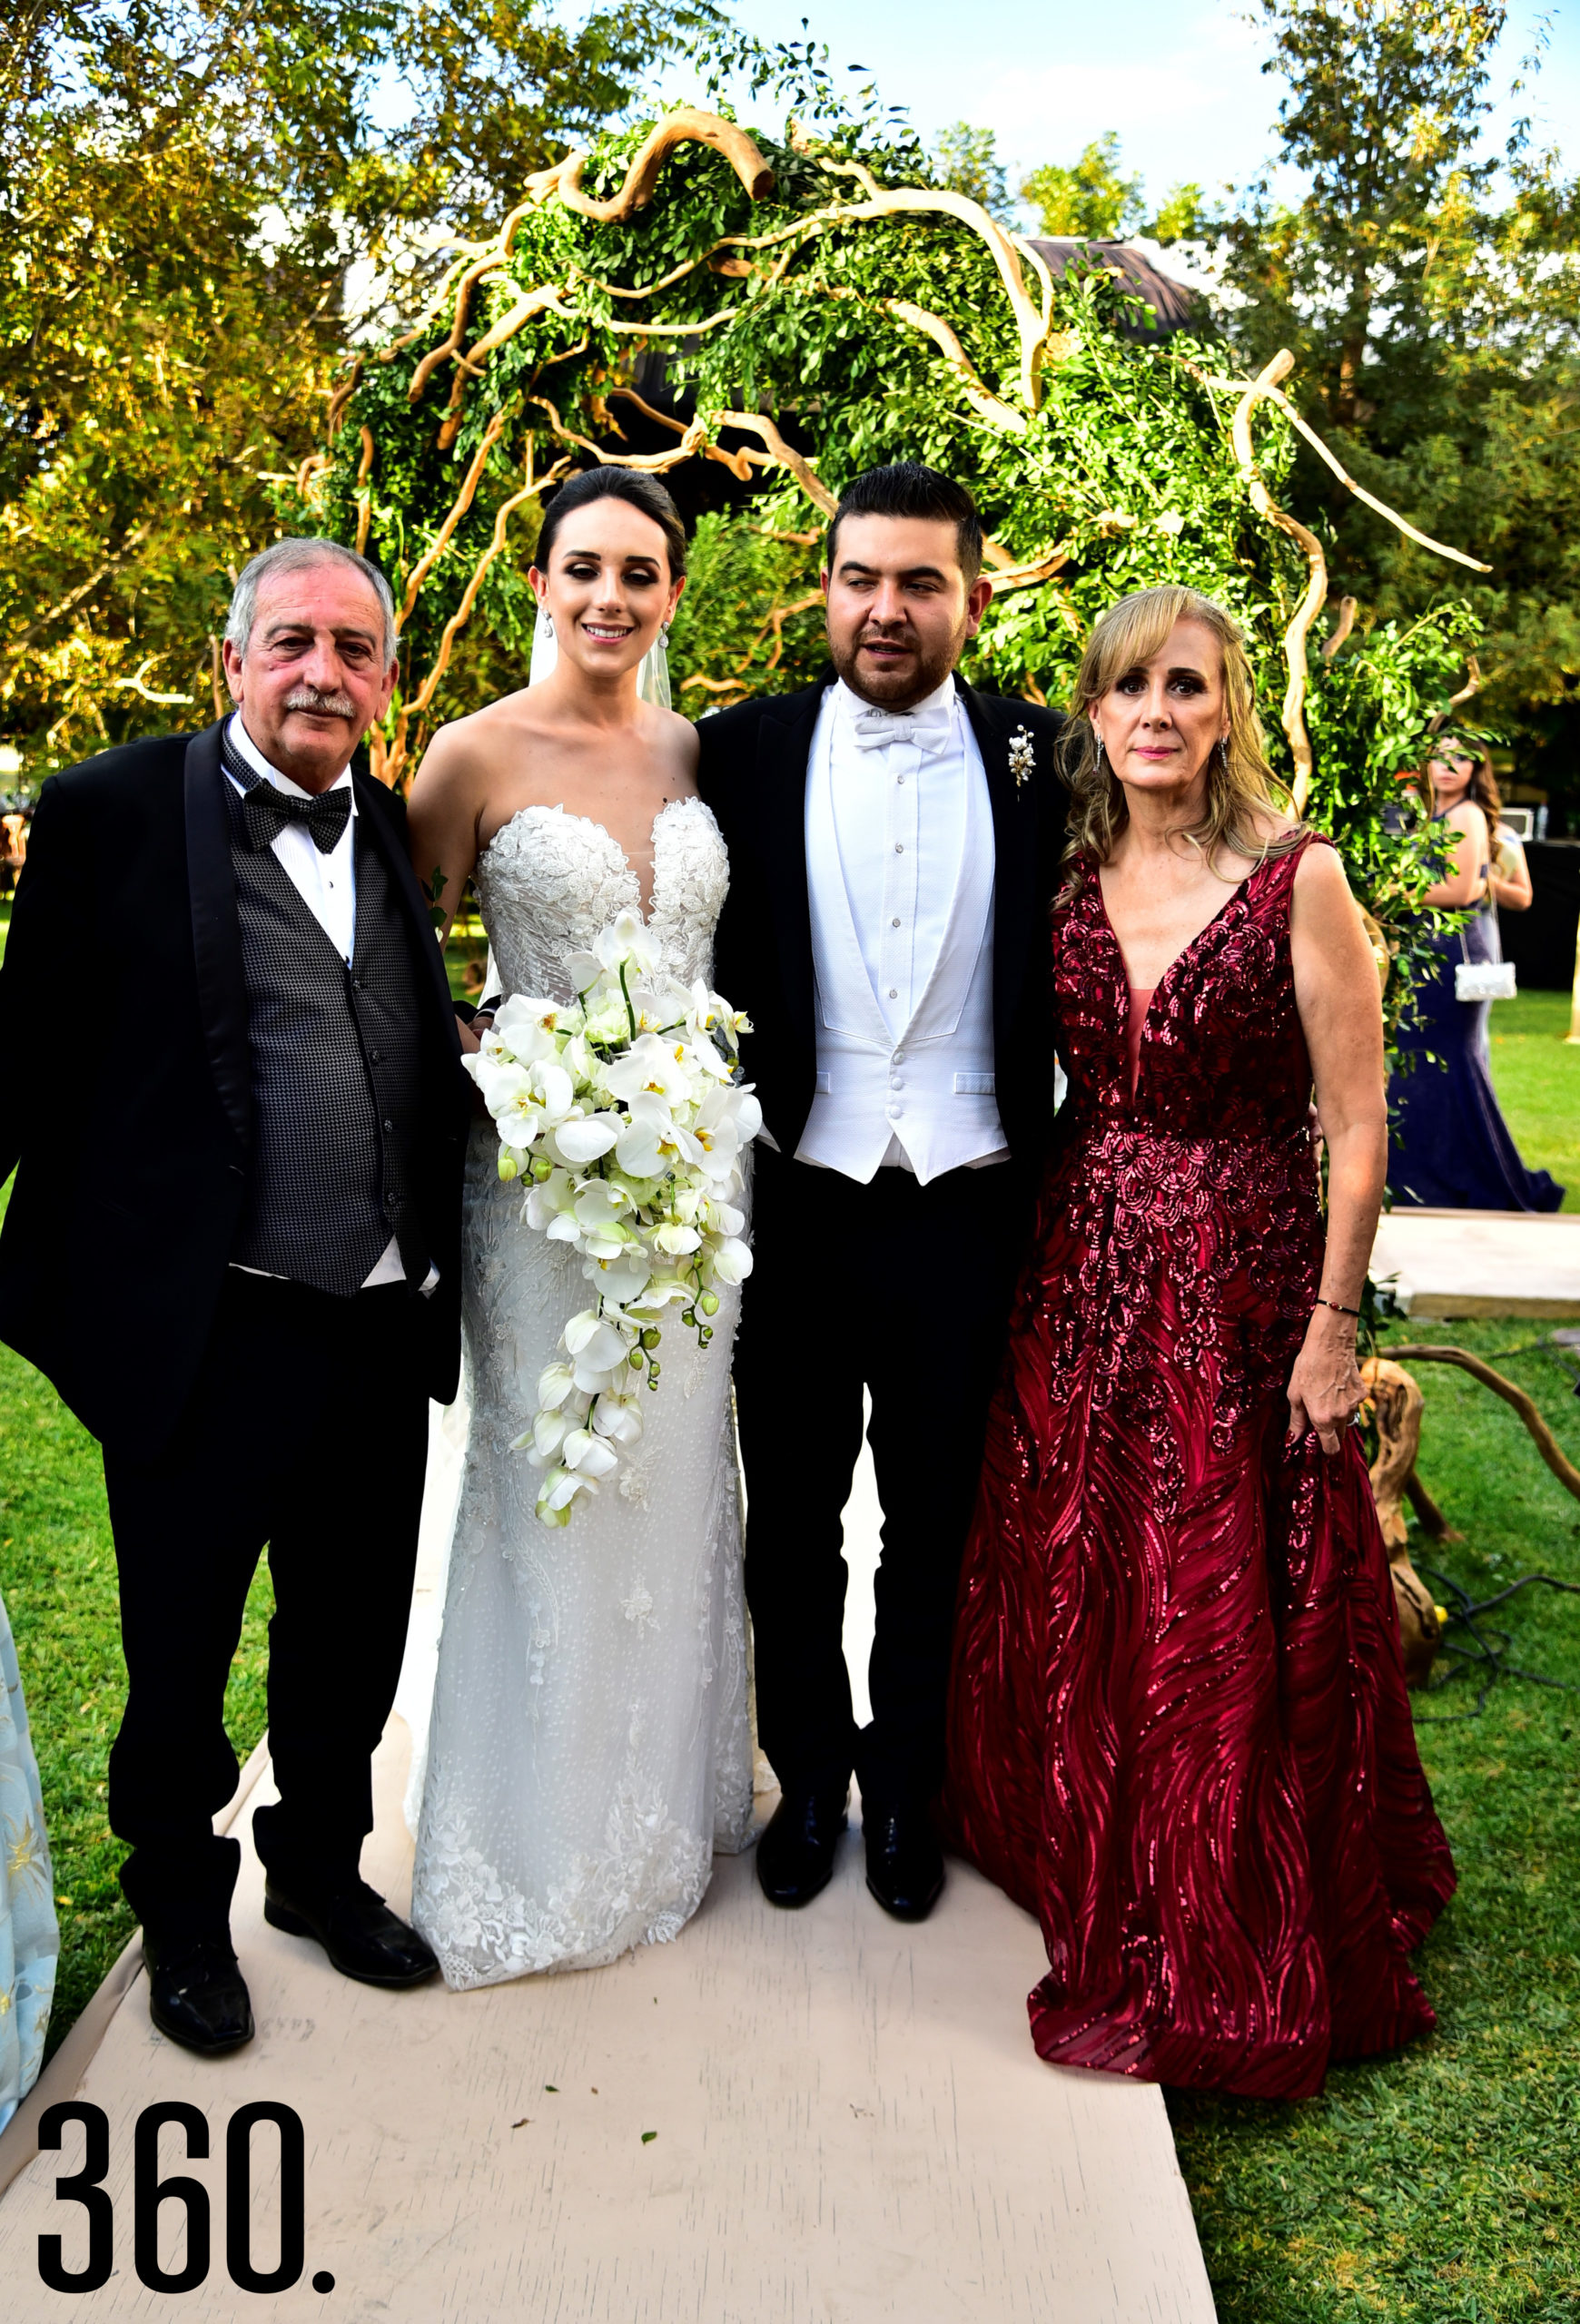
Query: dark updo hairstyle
<point x="643" y="492"/>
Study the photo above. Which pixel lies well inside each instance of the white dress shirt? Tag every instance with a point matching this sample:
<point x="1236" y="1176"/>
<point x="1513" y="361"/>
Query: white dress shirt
<point x="327" y="885"/>
<point x="900" y="867"/>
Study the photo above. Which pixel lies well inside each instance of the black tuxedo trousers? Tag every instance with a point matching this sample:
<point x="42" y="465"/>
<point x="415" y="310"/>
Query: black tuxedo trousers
<point x="904" y="1290"/>
<point x="308" y="1431"/>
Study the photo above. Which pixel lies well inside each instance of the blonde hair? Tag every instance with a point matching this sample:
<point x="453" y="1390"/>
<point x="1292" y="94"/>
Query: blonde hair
<point x="1241" y="787"/>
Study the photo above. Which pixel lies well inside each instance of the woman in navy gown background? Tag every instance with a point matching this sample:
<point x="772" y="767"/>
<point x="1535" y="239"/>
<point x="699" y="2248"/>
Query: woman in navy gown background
<point x="1450" y="1146"/>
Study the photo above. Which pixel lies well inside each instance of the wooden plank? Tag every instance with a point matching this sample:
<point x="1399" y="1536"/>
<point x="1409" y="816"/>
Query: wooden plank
<point x="850" y="2125"/>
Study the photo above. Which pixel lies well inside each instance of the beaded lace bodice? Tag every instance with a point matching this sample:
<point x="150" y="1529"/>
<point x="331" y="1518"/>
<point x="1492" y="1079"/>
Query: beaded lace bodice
<point x="549" y="882"/>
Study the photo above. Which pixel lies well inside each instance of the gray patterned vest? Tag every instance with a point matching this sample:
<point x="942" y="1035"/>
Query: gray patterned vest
<point x="335" y="1057"/>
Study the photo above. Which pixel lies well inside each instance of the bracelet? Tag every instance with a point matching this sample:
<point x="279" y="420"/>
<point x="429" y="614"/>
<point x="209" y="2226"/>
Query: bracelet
<point x="1338" y="1310"/>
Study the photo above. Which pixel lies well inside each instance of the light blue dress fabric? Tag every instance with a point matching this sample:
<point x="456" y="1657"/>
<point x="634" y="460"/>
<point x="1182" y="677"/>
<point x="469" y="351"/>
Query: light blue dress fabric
<point x="29" y="1934"/>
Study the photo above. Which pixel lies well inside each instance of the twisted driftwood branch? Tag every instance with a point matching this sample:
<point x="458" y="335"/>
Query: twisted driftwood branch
<point x="1316" y="595"/>
<point x="1347" y="609"/>
<point x="1545" y="1442"/>
<point x="688" y="125"/>
<point x="388" y="759"/>
<point x="463" y="501"/>
<point x="1273" y="395"/>
<point x="364" y="490"/>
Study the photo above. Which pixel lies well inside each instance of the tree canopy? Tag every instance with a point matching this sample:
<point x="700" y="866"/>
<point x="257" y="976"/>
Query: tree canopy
<point x="184" y="185"/>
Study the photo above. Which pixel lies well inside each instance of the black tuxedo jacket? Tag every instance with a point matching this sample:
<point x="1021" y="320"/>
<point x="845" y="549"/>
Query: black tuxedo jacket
<point x="752" y="775"/>
<point x="125" y="1090"/>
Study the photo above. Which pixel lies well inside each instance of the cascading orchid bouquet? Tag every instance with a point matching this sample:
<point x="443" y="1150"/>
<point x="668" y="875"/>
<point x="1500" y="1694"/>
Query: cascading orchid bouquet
<point x="626" y="1113"/>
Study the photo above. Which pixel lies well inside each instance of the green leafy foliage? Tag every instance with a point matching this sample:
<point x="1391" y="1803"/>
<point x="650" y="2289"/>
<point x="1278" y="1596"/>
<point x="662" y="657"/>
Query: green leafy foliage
<point x="1428" y="287"/>
<point x="1119" y="473"/>
<point x="187" y="187"/>
<point x="967" y="161"/>
<point x="1090" y="197"/>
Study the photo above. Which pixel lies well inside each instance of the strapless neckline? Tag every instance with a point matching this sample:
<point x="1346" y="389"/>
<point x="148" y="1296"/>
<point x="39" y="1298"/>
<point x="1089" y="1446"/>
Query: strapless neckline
<point x="644" y="911"/>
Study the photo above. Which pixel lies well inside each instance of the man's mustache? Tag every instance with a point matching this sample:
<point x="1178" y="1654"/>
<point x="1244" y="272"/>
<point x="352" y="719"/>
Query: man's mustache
<point x="331" y="705"/>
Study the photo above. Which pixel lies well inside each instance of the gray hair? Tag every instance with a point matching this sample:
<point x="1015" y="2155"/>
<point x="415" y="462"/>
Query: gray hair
<point x="299" y="555"/>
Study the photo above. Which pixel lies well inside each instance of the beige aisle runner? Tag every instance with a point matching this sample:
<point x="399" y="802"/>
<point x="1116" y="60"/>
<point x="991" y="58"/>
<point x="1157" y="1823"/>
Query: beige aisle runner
<point x="783" y="2118"/>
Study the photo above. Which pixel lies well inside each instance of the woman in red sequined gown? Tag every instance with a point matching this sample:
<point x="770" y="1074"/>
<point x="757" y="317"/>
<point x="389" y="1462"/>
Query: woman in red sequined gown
<point x="1178" y="1732"/>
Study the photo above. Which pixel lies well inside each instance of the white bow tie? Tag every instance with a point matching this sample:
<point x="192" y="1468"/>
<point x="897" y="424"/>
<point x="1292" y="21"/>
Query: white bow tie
<point x="924" y="730"/>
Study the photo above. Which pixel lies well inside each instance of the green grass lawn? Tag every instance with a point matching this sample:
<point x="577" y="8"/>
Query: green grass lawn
<point x="1537" y="1081"/>
<point x="57" y="1572"/>
<point x="1444" y="2185"/>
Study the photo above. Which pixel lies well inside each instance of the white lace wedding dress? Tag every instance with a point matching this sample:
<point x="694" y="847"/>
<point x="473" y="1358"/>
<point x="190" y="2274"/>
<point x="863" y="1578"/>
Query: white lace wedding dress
<point x="590" y="1744"/>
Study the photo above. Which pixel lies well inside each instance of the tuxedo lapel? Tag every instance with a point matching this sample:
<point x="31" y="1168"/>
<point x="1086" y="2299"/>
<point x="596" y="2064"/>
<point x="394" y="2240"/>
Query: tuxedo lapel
<point x="384" y="831"/>
<point x="215" y="930"/>
<point x="784" y="748"/>
<point x="1014" y="809"/>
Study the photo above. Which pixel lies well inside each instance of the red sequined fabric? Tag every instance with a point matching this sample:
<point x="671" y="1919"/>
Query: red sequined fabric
<point x="1178" y="1732"/>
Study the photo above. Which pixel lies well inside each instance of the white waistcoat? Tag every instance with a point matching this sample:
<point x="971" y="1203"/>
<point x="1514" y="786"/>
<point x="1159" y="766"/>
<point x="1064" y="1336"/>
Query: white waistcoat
<point x="922" y="1093"/>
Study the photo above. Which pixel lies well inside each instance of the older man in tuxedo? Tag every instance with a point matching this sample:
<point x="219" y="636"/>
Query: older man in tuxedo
<point x="893" y="837"/>
<point x="233" y="1246"/>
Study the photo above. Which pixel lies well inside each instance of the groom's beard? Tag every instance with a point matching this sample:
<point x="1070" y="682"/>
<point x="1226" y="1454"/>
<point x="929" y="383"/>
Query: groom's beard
<point x="897" y="681"/>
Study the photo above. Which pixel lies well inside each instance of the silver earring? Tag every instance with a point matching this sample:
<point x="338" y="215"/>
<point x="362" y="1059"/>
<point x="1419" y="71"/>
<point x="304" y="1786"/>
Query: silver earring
<point x="1223" y="755"/>
<point x="547" y="623"/>
<point x="664" y="634"/>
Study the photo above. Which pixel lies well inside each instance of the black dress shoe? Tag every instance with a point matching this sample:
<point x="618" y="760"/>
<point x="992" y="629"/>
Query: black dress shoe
<point x="796" y="1853"/>
<point x="355" y="1928"/>
<point x="905" y="1861"/>
<point x="196" y="1993"/>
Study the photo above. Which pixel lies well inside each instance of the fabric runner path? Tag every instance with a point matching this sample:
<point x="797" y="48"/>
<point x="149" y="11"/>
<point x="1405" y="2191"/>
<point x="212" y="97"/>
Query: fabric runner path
<point x="848" y="2124"/>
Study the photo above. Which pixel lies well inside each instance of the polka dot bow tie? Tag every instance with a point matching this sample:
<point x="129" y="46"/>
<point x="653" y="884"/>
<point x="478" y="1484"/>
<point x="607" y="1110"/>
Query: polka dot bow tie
<point x="267" y="812"/>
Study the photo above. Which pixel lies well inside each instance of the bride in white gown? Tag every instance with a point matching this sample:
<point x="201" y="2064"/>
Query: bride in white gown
<point x="590" y="1744"/>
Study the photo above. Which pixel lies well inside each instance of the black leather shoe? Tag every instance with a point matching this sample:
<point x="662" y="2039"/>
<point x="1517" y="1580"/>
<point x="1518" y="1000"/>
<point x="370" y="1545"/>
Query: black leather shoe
<point x="796" y="1853"/>
<point x="355" y="1928"/>
<point x="197" y="1995"/>
<point x="905" y="1861"/>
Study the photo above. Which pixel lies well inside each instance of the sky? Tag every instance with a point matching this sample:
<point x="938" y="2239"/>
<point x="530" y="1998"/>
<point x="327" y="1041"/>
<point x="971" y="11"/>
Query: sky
<point x="1180" y="82"/>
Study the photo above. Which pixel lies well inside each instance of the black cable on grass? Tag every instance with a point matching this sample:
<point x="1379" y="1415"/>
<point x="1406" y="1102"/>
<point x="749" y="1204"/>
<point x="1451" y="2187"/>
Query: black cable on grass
<point x="1465" y="1613"/>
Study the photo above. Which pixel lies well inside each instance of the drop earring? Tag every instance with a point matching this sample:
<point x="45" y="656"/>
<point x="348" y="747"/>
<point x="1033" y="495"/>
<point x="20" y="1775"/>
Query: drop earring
<point x="547" y="623"/>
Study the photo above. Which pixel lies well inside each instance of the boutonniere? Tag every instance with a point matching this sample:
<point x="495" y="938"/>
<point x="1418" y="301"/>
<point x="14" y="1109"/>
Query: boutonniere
<point x="1023" y="756"/>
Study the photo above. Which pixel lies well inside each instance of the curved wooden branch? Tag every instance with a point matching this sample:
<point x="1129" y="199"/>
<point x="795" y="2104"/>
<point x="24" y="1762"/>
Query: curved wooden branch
<point x="753" y="423"/>
<point x="1025" y="577"/>
<point x="1545" y="1442"/>
<point x="463" y="501"/>
<point x="364" y="490"/>
<point x="1347" y="609"/>
<point x="884" y="201"/>
<point x="648" y="463"/>
<point x="977" y="393"/>
<point x="1316" y="595"/>
<point x="1472" y="683"/>
<point x="1402" y="524"/>
<point x="340" y="399"/>
<point x="688" y="125"/>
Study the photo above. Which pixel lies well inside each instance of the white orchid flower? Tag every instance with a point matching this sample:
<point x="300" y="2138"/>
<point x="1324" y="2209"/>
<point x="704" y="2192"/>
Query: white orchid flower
<point x="592" y="1341"/>
<point x="555" y="1386"/>
<point x="588" y="1453"/>
<point x="626" y="1279"/>
<point x="677" y="1238"/>
<point x="583" y="1137"/>
<point x="558" y="1489"/>
<point x="552" y="1207"/>
<point x="549" y="1430"/>
<point x="732" y="1261"/>
<point x="652" y="1066"/>
<point x="619" y="1418"/>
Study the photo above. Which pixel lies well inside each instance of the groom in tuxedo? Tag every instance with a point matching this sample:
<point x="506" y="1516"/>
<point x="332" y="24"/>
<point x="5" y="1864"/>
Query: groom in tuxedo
<point x="893" y="840"/>
<point x="233" y="1092"/>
